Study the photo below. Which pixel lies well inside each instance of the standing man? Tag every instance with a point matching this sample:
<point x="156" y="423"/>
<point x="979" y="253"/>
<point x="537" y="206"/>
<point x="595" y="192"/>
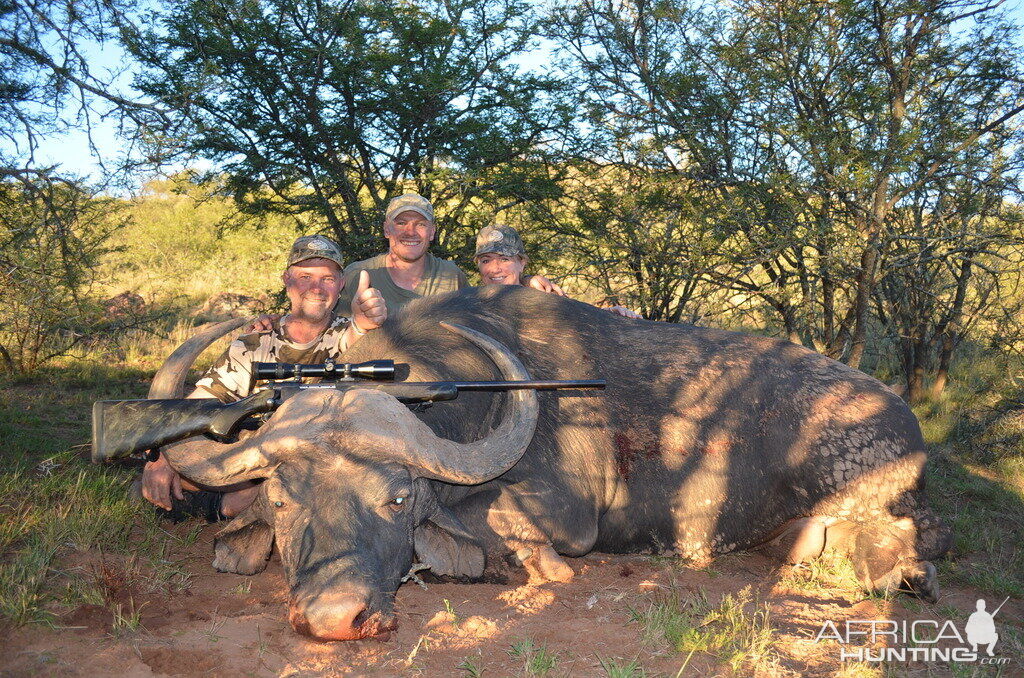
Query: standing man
<point x="407" y="270"/>
<point x="309" y="333"/>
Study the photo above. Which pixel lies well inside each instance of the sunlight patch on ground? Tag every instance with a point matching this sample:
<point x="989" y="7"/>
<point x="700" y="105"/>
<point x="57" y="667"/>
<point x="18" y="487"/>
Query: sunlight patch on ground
<point x="527" y="599"/>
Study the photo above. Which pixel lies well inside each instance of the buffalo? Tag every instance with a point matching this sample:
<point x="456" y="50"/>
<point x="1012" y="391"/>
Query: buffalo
<point x="704" y="442"/>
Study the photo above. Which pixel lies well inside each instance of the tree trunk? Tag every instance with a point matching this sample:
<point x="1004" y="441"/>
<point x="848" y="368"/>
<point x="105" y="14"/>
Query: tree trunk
<point x="916" y="371"/>
<point x="865" y="276"/>
<point x="945" y="358"/>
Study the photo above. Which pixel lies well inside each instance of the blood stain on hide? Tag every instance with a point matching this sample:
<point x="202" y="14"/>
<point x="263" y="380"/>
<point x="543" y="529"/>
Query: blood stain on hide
<point x="626" y="452"/>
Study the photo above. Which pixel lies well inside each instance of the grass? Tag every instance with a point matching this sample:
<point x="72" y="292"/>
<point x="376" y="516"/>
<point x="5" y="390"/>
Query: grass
<point x="471" y="667"/>
<point x="986" y="512"/>
<point x="537" y="660"/>
<point x="52" y="502"/>
<point x="127" y="620"/>
<point x="72" y="509"/>
<point x="213" y="633"/>
<point x="975" y="476"/>
<point x="730" y="631"/>
<point x="453" y="616"/>
<point x="832" y="571"/>
<point x="614" y="669"/>
<point x="244" y="588"/>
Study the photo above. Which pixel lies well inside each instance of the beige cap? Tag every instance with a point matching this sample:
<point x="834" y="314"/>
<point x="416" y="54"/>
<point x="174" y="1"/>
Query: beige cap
<point x="315" y="247"/>
<point x="499" y="239"/>
<point x="409" y="202"/>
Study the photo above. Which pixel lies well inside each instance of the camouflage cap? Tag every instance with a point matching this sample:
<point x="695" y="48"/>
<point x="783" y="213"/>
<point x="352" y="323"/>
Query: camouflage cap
<point x="409" y="202"/>
<point x="315" y="247"/>
<point x="499" y="239"/>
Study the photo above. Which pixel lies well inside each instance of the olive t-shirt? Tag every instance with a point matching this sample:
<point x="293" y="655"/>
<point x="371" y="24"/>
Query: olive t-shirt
<point x="439" y="277"/>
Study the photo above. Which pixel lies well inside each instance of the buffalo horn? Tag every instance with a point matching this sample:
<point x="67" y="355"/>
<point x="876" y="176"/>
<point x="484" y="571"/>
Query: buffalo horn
<point x="374" y="423"/>
<point x="480" y="461"/>
<point x="169" y="381"/>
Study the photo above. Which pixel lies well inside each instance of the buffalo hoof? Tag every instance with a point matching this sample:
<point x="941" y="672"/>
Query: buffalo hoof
<point x="798" y="541"/>
<point x="243" y="551"/>
<point x="238" y="562"/>
<point x="918" y="578"/>
<point x="923" y="580"/>
<point x="543" y="564"/>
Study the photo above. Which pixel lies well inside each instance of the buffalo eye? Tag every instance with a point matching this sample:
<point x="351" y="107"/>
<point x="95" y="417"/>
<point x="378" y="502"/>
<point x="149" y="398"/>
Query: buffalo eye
<point x="278" y="504"/>
<point x="398" y="503"/>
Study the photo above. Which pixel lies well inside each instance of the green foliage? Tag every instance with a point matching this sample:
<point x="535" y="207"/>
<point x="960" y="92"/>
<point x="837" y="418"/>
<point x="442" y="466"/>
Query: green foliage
<point x="48" y="85"/>
<point x="831" y="571"/>
<point x="49" y="510"/>
<point x="326" y="110"/>
<point x="471" y="667"/>
<point x="819" y="149"/>
<point x="634" y="237"/>
<point x="185" y="243"/>
<point x="614" y="669"/>
<point x="986" y="512"/>
<point x="53" y="502"/>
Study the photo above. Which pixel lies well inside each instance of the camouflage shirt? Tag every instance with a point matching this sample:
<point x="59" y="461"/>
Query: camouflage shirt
<point x="231" y="378"/>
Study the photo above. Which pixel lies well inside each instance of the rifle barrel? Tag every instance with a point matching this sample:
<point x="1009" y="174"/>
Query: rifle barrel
<point x="520" y="385"/>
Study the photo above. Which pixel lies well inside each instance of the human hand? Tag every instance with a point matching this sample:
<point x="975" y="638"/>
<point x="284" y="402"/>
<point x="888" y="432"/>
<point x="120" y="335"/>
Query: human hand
<point x="539" y="282"/>
<point x="368" y="308"/>
<point x="264" y="323"/>
<point x="160" y="482"/>
<point x="624" y="312"/>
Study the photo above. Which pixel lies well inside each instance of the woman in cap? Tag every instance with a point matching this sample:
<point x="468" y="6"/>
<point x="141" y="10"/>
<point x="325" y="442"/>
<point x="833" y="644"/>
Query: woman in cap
<point x="501" y="257"/>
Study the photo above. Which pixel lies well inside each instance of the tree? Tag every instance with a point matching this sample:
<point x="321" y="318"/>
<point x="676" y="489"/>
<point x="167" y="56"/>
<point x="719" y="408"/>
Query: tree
<point x="956" y="252"/>
<point x="54" y="228"/>
<point x="47" y="83"/>
<point x="336" y="107"/>
<point x="803" y="126"/>
<point x="629" y="236"/>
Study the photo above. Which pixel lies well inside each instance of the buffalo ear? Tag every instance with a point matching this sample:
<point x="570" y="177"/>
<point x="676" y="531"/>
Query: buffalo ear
<point x="443" y="543"/>
<point x="244" y="545"/>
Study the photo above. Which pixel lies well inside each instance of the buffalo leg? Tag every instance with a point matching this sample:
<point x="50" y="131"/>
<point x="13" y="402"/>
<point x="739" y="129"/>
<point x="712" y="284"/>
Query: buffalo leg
<point x="797" y="541"/>
<point x="507" y="530"/>
<point x="244" y="545"/>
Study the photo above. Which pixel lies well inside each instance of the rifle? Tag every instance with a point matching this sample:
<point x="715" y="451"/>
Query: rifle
<point x="124" y="427"/>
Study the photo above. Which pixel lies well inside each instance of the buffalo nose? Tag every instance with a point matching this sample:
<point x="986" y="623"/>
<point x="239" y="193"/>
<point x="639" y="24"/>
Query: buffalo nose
<point x="337" y="616"/>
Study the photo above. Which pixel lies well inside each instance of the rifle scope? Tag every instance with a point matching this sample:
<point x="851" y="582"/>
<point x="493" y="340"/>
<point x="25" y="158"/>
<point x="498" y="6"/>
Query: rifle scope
<point x="378" y="370"/>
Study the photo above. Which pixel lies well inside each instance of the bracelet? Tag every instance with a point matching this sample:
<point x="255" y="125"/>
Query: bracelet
<point x="355" y="328"/>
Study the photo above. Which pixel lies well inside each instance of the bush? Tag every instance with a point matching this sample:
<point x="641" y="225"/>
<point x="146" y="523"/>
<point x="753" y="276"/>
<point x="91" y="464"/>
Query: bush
<point x="52" y="236"/>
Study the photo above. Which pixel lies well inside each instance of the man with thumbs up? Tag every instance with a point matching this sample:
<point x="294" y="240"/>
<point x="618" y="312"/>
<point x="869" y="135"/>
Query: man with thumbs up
<point x="309" y="333"/>
<point x="407" y="271"/>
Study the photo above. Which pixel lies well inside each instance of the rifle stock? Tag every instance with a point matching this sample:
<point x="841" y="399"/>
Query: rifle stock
<point x="121" y="427"/>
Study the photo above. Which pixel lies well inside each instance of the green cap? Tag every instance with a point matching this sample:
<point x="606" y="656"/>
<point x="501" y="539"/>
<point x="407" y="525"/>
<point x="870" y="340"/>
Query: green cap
<point x="315" y="247"/>
<point x="499" y="239"/>
<point x="409" y="202"/>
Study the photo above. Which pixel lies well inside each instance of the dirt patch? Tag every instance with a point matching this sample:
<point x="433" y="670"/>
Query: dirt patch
<point x="228" y="625"/>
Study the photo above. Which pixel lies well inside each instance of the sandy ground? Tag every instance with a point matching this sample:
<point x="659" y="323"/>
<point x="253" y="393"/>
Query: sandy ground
<point x="228" y="625"/>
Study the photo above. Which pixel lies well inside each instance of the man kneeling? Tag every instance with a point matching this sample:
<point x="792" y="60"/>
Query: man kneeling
<point x="309" y="333"/>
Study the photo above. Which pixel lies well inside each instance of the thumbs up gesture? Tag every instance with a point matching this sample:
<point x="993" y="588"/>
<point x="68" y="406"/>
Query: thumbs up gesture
<point x="368" y="308"/>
